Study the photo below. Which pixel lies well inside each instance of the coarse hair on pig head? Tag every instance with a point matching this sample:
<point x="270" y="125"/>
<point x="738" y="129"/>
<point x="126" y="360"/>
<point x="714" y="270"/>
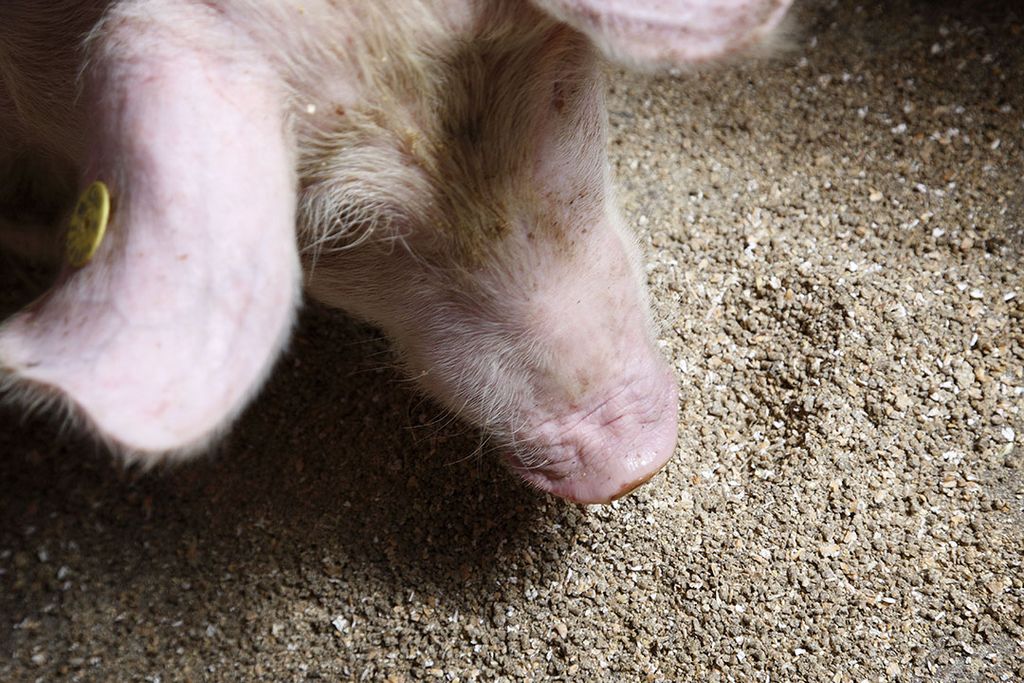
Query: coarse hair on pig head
<point x="436" y="168"/>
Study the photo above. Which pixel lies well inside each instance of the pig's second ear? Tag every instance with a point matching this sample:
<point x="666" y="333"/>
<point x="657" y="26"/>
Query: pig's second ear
<point x="666" y="32"/>
<point x="159" y="341"/>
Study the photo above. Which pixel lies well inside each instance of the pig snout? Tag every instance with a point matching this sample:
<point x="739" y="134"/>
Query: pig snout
<point x="550" y="352"/>
<point x="601" y="448"/>
<point x="581" y="408"/>
<point x="602" y="455"/>
<point x="597" y="415"/>
<point x="558" y="366"/>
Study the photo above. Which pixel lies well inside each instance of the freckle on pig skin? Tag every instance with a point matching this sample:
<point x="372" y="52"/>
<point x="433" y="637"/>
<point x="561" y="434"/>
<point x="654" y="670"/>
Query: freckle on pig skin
<point x="435" y="168"/>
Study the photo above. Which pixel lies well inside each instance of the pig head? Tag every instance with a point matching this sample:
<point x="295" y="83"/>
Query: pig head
<point x="437" y="168"/>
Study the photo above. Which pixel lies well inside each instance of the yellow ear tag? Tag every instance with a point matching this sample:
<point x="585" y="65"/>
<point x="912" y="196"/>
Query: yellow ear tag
<point x="88" y="224"/>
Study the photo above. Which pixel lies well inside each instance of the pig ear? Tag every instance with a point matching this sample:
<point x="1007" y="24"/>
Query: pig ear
<point x="159" y="340"/>
<point x="663" y="32"/>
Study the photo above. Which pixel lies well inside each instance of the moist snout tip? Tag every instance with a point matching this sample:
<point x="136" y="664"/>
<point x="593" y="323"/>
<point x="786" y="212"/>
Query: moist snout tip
<point x="590" y="488"/>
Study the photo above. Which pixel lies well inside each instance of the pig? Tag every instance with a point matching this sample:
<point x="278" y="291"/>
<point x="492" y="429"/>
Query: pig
<point x="435" y="167"/>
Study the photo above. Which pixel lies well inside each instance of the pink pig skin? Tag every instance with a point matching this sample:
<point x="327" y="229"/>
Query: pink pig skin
<point x="436" y="167"/>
